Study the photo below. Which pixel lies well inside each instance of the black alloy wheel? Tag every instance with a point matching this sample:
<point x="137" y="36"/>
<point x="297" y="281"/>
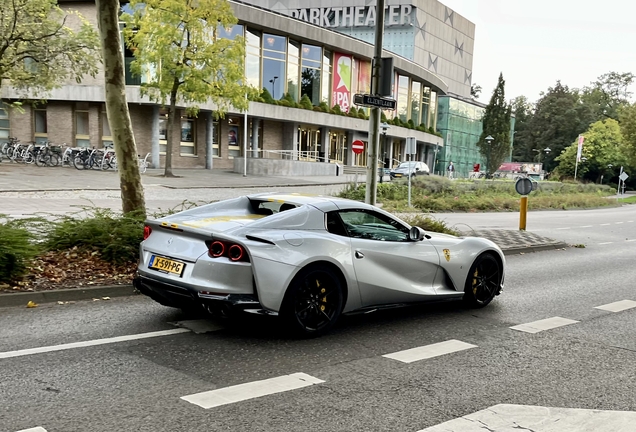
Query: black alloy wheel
<point x="483" y="282"/>
<point x="313" y="301"/>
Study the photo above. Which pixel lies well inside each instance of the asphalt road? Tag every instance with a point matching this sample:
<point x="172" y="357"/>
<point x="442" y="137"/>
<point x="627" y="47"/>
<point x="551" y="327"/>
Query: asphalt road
<point x="138" y="384"/>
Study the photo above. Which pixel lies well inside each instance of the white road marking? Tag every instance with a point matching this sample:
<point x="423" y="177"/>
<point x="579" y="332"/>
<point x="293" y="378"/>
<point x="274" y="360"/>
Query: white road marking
<point x="564" y="228"/>
<point x="35" y="429"/>
<point x="506" y="417"/>
<point x="544" y="324"/>
<point x="586" y="226"/>
<point x="605" y="224"/>
<point x="618" y="223"/>
<point x="630" y="221"/>
<point x="618" y="306"/>
<point x="40" y="350"/>
<point x="606" y="243"/>
<point x="251" y="390"/>
<point x="631" y="240"/>
<point x="429" y="351"/>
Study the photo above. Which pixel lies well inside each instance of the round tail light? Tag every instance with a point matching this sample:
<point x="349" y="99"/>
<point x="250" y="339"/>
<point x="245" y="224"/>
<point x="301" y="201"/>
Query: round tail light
<point x="217" y="249"/>
<point x="235" y="253"/>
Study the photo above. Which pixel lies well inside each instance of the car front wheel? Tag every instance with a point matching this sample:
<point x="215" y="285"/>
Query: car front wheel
<point x="483" y="282"/>
<point x="313" y="302"/>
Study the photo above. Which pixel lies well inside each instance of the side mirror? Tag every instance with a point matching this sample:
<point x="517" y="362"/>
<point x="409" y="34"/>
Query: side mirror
<point x="416" y="234"/>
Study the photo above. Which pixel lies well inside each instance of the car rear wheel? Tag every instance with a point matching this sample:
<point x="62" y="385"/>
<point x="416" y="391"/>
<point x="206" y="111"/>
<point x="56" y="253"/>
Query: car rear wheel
<point x="483" y="281"/>
<point x="313" y="301"/>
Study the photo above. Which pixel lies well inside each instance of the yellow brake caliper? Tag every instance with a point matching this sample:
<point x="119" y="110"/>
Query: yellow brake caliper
<point x="322" y="291"/>
<point x="475" y="281"/>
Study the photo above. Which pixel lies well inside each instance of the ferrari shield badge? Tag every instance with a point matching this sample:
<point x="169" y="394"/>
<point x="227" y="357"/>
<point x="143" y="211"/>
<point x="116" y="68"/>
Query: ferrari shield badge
<point x="447" y="254"/>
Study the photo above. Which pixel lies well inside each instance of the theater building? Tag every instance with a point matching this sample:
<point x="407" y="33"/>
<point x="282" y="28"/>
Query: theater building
<point x="324" y="52"/>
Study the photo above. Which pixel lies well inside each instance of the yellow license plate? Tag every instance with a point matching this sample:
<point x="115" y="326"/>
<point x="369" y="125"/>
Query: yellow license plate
<point x="398" y="175"/>
<point x="166" y="265"/>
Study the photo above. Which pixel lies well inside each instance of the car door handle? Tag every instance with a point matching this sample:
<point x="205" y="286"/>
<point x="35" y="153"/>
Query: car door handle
<point x="359" y="255"/>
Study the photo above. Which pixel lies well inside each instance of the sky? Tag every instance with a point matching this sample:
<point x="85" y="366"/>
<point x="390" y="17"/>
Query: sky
<point x="534" y="43"/>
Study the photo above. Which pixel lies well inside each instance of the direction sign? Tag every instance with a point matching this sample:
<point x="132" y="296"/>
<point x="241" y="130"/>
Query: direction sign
<point x="374" y="101"/>
<point x="623" y="176"/>
<point x="357" y="146"/>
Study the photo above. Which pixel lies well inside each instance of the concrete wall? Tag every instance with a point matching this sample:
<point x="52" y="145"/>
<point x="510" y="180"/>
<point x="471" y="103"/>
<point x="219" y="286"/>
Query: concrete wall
<point x="284" y="167"/>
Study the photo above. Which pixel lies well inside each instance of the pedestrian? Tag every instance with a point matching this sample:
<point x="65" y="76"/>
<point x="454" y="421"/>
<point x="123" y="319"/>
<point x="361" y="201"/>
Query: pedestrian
<point x="451" y="170"/>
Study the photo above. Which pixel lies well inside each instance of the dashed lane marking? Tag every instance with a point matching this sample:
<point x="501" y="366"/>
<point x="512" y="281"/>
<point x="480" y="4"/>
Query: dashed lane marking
<point x="606" y="243"/>
<point x="618" y="306"/>
<point x="35" y="429"/>
<point x="544" y="324"/>
<point x="564" y="228"/>
<point x="429" y="351"/>
<point x="586" y="226"/>
<point x="506" y="417"/>
<point x="618" y="223"/>
<point x="40" y="350"/>
<point x="251" y="390"/>
<point x="605" y="224"/>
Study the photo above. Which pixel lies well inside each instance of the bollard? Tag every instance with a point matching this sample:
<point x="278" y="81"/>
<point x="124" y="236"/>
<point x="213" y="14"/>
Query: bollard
<point x="523" y="212"/>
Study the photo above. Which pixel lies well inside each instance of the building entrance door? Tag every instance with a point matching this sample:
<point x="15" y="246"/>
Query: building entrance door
<point x="338" y="147"/>
<point x="309" y="144"/>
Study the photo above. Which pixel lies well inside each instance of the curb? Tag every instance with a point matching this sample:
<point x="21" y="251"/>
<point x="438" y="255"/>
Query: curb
<point x="22" y="298"/>
<point x="528" y="249"/>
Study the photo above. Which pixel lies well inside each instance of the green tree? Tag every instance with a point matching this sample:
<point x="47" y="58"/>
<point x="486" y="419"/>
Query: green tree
<point x="627" y="115"/>
<point x="559" y="117"/>
<point x="42" y="46"/>
<point x="132" y="192"/>
<point x="496" y="123"/>
<point x="522" y="143"/>
<point x="603" y="146"/>
<point x="607" y="94"/>
<point x="179" y="41"/>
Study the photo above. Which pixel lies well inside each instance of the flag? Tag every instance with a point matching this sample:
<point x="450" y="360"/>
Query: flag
<point x="580" y="149"/>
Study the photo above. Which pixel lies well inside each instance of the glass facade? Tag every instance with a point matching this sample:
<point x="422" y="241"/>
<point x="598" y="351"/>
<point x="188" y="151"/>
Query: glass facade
<point x="461" y="126"/>
<point x="274" y="57"/>
<point x="311" y="61"/>
<point x="5" y="128"/>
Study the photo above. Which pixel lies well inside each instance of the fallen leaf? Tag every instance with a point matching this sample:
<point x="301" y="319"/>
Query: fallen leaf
<point x="31" y="304"/>
<point x="105" y="298"/>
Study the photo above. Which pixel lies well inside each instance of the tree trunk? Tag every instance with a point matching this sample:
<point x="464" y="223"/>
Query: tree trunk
<point x="132" y="192"/>
<point x="172" y="122"/>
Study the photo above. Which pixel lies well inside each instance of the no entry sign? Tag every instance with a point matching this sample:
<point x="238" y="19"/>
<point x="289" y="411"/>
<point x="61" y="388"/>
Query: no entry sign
<point x="357" y="146"/>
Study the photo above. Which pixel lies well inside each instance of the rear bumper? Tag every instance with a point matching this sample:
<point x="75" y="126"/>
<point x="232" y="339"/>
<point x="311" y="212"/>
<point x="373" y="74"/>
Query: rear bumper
<point x="178" y="296"/>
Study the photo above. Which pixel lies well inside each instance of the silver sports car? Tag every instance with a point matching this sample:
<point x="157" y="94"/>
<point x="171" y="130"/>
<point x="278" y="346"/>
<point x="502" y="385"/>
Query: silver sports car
<point x="308" y="259"/>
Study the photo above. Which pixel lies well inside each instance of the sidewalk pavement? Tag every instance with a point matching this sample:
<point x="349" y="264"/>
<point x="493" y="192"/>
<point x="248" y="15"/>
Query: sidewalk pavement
<point x="26" y="190"/>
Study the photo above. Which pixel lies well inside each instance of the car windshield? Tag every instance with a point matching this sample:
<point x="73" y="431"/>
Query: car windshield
<point x="407" y="164"/>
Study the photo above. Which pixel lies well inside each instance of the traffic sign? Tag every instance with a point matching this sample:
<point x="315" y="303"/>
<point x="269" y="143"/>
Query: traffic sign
<point x="374" y="101"/>
<point x="357" y="146"/>
<point x="523" y="186"/>
<point x="623" y="176"/>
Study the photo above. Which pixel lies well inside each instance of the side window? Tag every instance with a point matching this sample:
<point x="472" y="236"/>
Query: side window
<point x="373" y="226"/>
<point x="335" y="225"/>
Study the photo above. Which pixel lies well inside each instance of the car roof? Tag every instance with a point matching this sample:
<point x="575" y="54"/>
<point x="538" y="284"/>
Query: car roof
<point x="322" y="202"/>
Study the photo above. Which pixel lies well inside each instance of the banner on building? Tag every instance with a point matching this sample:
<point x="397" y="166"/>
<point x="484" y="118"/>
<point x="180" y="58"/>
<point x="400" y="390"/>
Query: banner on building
<point x="364" y="77"/>
<point x="579" y="150"/>
<point x="342" y="81"/>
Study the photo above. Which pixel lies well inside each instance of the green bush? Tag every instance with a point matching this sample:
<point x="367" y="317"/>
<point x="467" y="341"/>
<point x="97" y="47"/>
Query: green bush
<point x="336" y="110"/>
<point x="267" y="96"/>
<point x="305" y="103"/>
<point x="428" y="223"/>
<point x="353" y="112"/>
<point x="115" y="237"/>
<point x="17" y="249"/>
<point x="361" y="114"/>
<point x="323" y="107"/>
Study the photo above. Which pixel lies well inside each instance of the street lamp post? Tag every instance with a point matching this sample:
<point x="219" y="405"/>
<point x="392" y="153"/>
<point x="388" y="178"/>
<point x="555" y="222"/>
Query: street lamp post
<point x="385" y="127"/>
<point x="489" y="139"/>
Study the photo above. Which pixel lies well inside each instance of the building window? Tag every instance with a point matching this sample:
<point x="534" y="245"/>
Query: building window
<point x="403" y="97"/>
<point x="229" y="32"/>
<point x="107" y="136"/>
<point x="82" y="137"/>
<point x="5" y="130"/>
<point x="274" y="55"/>
<point x="253" y="58"/>
<point x="433" y="111"/>
<point x="216" y="149"/>
<point x="187" y="146"/>
<point x="163" y="132"/>
<point x="40" y="126"/>
<point x="416" y="102"/>
<point x="234" y="137"/>
<point x="326" y="77"/>
<point x="426" y="101"/>
<point x="310" y="76"/>
<point x="293" y="52"/>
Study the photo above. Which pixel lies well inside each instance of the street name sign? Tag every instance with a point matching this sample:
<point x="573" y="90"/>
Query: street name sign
<point x="374" y="101"/>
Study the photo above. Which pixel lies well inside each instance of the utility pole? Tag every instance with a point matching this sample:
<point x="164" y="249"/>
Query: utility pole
<point x="374" y="120"/>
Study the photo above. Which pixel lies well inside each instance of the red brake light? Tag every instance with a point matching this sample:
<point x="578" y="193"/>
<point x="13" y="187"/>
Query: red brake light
<point x="231" y="251"/>
<point x="147" y="231"/>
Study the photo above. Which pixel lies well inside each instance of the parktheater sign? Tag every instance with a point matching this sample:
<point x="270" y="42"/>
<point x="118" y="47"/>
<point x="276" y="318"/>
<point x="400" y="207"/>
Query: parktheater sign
<point x="354" y="16"/>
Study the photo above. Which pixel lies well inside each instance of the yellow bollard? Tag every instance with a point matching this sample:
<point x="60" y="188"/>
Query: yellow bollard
<point x="523" y="212"/>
